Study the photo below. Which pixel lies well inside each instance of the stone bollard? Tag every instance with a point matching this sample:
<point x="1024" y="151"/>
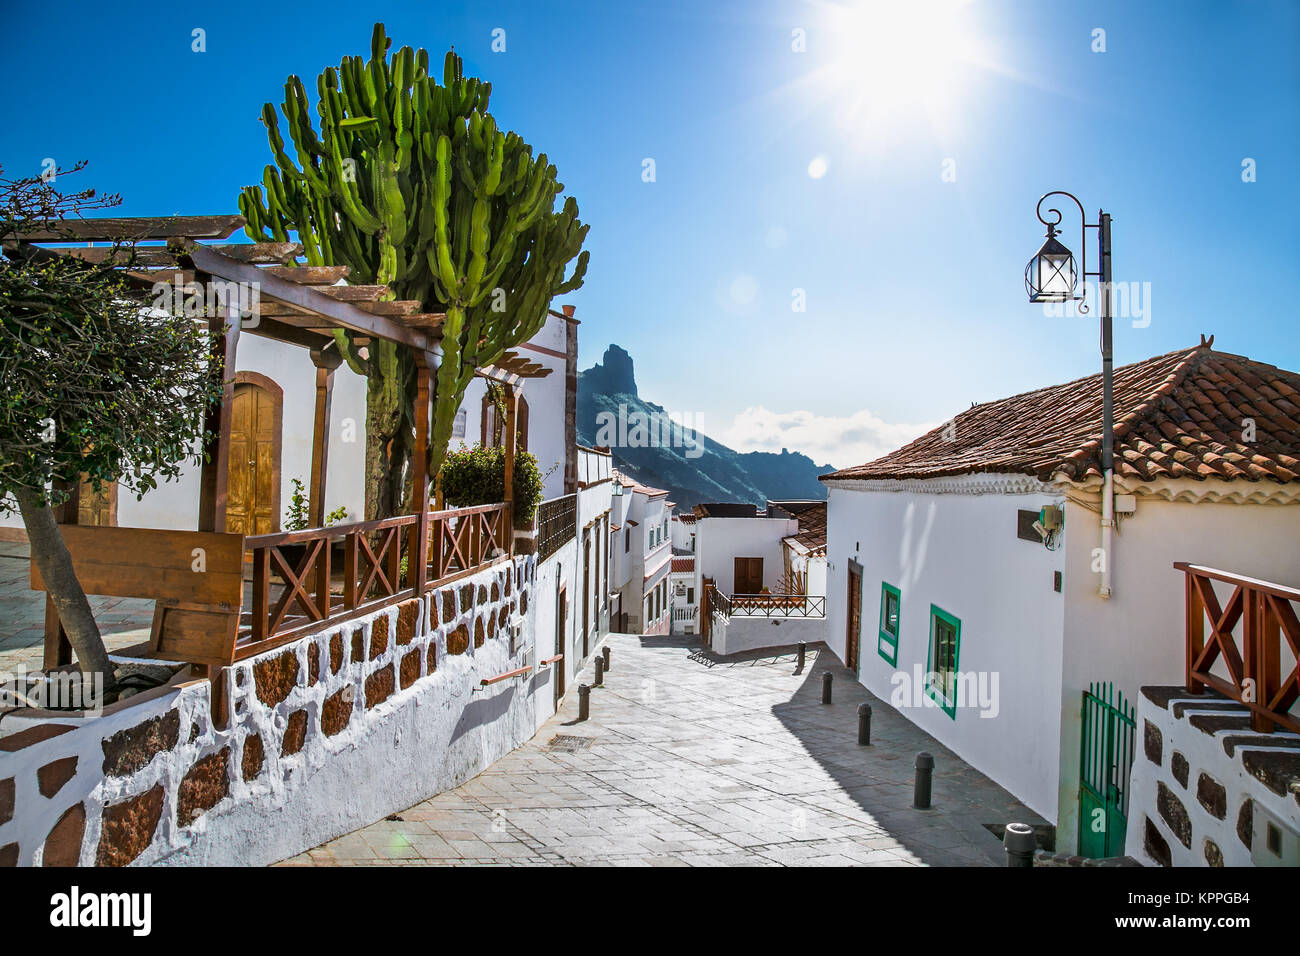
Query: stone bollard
<point x="604" y="653"/>
<point x="924" y="774"/>
<point x="600" y="671"/>
<point x="827" y="678"/>
<point x="803" y="655"/>
<point x="584" y="701"/>
<point x="1019" y="844"/>
<point x="864" y="724"/>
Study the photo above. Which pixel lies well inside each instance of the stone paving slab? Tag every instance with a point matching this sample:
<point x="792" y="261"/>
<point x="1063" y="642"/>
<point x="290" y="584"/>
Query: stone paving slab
<point x="738" y="764"/>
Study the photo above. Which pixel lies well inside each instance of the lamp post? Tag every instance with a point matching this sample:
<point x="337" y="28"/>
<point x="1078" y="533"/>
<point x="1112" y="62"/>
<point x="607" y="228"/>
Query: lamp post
<point x="1051" y="277"/>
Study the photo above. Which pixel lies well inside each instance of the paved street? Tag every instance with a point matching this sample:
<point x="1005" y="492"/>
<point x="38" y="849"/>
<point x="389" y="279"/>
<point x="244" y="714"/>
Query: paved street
<point x="123" y="621"/>
<point x="683" y="764"/>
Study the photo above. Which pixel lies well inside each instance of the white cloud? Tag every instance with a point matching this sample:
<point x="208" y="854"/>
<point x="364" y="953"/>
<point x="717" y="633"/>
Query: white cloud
<point x="826" y="439"/>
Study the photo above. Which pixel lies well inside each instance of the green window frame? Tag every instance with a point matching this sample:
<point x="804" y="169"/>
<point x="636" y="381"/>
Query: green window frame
<point x="887" y="645"/>
<point x="941" y="659"/>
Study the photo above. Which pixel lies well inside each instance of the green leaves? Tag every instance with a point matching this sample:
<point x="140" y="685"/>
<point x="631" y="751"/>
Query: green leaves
<point x="476" y="476"/>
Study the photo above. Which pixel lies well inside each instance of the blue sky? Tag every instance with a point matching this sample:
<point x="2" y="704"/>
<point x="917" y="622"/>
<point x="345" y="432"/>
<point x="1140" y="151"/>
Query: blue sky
<point x="934" y="129"/>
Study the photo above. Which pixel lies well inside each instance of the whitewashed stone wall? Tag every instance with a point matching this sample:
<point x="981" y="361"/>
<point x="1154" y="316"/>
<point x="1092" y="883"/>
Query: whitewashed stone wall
<point x="324" y="735"/>
<point x="1199" y="778"/>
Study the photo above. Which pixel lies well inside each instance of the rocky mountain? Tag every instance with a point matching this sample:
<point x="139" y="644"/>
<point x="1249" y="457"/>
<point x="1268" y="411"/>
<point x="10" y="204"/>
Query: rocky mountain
<point x="658" y="452"/>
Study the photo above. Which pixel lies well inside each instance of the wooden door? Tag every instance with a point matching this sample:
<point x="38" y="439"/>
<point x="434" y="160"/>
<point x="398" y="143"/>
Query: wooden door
<point x="561" y="612"/>
<point x="97" y="508"/>
<point x="586" y="592"/>
<point x="854" y="623"/>
<point x="748" y="576"/>
<point x="253" y="495"/>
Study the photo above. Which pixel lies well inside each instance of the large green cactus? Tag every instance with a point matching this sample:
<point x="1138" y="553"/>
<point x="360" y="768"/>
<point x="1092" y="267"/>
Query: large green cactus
<point x="411" y="184"/>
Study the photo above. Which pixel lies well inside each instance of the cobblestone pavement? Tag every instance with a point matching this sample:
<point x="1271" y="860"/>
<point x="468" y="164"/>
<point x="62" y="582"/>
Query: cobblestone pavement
<point x="123" y="621"/>
<point x="685" y="764"/>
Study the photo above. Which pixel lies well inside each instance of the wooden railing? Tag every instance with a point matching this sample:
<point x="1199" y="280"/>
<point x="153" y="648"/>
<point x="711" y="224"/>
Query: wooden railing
<point x="557" y="524"/>
<point x="308" y="579"/>
<point x="1266" y="614"/>
<point x="463" y="539"/>
<point x="778" y="605"/>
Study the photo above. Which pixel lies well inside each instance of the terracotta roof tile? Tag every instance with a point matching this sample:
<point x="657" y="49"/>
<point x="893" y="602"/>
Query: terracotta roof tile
<point x="1180" y="415"/>
<point x="681" y="565"/>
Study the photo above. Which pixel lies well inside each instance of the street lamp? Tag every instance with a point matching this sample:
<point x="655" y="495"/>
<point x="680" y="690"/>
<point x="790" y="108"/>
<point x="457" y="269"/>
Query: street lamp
<point x="1051" y="277"/>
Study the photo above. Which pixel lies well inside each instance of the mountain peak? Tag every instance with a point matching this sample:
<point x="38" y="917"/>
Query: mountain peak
<point x="614" y="374"/>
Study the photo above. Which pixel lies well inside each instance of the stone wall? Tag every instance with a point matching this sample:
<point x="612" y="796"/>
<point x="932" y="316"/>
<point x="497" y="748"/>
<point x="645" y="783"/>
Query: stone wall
<point x="326" y="734"/>
<point x="1199" y="777"/>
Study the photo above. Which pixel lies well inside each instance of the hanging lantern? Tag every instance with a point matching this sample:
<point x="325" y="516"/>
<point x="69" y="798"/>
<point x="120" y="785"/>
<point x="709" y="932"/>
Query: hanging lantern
<point x="1051" y="275"/>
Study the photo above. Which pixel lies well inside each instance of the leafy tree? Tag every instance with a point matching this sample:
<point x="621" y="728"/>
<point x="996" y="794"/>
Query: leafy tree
<point x="97" y="387"/>
<point x="411" y="184"/>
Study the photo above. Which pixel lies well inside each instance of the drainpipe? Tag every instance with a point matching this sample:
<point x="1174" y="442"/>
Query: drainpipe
<point x="1108" y="410"/>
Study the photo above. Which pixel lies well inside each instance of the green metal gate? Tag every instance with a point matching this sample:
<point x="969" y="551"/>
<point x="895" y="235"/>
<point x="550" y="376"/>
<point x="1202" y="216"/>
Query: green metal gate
<point x="1105" y="759"/>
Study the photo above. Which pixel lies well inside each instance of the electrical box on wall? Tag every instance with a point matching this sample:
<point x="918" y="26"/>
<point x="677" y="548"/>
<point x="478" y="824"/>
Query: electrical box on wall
<point x="1273" y="842"/>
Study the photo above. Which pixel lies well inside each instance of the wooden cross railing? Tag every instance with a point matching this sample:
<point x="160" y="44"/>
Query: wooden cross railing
<point x="1267" y="616"/>
<point x="778" y="605"/>
<point x="307" y="579"/>
<point x="463" y="539"/>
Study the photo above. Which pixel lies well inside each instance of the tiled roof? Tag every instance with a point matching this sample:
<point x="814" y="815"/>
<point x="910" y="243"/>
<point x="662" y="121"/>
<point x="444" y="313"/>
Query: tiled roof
<point x="1180" y="415"/>
<point x="683" y="564"/>
<point x="636" y="486"/>
<point x="812" y="527"/>
<point x="726" y="509"/>
<point x="687" y="517"/>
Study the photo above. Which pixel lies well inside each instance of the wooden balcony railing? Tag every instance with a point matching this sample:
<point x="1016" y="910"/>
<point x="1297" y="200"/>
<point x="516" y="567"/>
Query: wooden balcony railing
<point x="778" y="605"/>
<point x="557" y="524"/>
<point x="308" y="579"/>
<point x="1263" y="615"/>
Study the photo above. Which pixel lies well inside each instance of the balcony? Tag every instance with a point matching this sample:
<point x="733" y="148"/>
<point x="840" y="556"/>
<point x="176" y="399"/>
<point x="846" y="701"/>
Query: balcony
<point x="1253" y="641"/>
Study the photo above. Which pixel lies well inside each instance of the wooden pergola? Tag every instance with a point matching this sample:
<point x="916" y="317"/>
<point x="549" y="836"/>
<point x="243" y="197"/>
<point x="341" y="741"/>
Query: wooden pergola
<point x="263" y="291"/>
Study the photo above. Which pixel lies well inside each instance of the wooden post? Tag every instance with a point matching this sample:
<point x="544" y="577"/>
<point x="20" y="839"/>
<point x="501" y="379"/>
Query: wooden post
<point x="224" y="342"/>
<point x="326" y="362"/>
<point x="1195" y="624"/>
<point x="1267" y="639"/>
<point x="417" y="567"/>
<point x="512" y="408"/>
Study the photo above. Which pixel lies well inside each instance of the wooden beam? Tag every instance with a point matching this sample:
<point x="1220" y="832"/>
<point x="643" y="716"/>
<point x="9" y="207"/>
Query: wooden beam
<point x="260" y="252"/>
<point x="417" y="561"/>
<point x="143" y="227"/>
<point x="142" y="256"/>
<point x="310" y="275"/>
<point x="355" y="293"/>
<point x="339" y="314"/>
<point x="272" y="329"/>
<point x="326" y="362"/>
<point x="215" y="475"/>
<point x="394" y="307"/>
<point x="512" y="417"/>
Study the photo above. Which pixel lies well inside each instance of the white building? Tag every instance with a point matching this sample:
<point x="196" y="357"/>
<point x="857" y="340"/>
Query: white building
<point x="987" y="631"/>
<point x="276" y="438"/>
<point x="641" y="545"/>
<point x="768" y="568"/>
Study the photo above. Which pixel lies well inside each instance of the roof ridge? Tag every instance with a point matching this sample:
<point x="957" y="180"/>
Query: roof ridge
<point x="1176" y="377"/>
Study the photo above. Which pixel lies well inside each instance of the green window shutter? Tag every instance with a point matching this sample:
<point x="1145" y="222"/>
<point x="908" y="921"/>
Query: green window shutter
<point x="941" y="663"/>
<point x="891" y="608"/>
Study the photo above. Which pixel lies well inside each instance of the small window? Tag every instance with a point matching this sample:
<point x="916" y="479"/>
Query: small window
<point x="627" y="540"/>
<point x="690" y="595"/>
<point x="941" y="667"/>
<point x="891" y="605"/>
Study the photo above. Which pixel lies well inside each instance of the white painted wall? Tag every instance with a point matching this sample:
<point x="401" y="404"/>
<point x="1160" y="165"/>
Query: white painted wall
<point x="719" y="541"/>
<point x="1136" y="637"/>
<point x="960" y="551"/>
<point x="754" y="633"/>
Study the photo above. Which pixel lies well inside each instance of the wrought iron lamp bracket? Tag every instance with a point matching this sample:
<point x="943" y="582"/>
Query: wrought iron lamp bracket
<point x="1051" y="225"/>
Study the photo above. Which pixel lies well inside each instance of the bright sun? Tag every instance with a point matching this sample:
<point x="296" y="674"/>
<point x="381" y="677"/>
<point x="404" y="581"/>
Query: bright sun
<point x="886" y="62"/>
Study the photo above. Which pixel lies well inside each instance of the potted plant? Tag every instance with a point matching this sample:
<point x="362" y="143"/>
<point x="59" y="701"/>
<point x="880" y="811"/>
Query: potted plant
<point x="476" y="476"/>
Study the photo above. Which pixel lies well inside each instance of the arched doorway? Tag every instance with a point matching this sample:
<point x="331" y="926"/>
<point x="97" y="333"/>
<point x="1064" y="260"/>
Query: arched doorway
<point x="253" y="489"/>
